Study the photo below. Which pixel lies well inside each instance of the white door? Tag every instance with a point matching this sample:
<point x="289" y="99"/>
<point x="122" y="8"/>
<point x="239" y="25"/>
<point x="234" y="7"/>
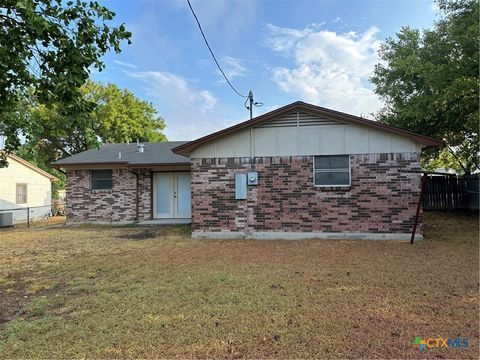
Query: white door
<point x="181" y="195"/>
<point x="171" y="195"/>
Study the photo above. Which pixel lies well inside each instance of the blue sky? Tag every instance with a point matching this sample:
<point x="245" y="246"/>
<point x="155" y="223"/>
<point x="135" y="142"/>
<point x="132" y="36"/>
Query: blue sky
<point x="322" y="52"/>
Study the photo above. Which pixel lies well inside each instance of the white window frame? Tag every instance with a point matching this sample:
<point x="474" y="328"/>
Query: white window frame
<point x="340" y="185"/>
<point x="23" y="194"/>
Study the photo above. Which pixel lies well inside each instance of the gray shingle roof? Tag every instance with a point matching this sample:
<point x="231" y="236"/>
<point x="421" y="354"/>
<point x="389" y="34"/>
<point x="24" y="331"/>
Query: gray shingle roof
<point x="156" y="153"/>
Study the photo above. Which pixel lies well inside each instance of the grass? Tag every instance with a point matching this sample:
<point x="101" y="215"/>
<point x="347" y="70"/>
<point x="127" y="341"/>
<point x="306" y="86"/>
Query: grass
<point x="40" y="222"/>
<point x="103" y="292"/>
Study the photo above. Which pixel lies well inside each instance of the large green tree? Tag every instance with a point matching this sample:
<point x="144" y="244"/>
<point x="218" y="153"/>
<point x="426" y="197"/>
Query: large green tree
<point x="50" y="45"/>
<point x="116" y="116"/>
<point x="429" y="81"/>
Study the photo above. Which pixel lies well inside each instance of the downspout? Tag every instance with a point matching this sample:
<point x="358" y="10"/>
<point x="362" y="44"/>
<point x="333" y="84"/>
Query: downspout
<point x="136" y="194"/>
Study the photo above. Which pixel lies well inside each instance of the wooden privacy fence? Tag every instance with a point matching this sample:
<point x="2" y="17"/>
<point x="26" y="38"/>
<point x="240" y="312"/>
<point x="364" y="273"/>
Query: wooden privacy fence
<point x="450" y="192"/>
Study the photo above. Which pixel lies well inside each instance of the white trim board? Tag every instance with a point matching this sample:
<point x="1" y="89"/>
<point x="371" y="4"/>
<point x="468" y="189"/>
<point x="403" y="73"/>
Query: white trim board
<point x="277" y="235"/>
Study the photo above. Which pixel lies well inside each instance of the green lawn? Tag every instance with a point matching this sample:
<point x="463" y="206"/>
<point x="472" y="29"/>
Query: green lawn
<point x="101" y="292"/>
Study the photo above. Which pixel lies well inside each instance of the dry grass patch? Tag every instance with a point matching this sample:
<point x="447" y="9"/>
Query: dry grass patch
<point x="154" y="292"/>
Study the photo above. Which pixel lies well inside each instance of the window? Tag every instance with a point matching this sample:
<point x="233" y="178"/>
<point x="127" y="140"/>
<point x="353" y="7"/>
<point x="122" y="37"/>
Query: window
<point x="21" y="194"/>
<point x="332" y="170"/>
<point x="101" y="179"/>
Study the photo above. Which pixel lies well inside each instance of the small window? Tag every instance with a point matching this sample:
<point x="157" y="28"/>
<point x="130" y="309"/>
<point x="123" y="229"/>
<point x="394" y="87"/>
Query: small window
<point x="101" y="179"/>
<point x="21" y="194"/>
<point x="332" y="170"/>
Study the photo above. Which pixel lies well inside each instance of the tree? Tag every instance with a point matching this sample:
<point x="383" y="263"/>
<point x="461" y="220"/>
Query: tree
<point x="429" y="82"/>
<point x="116" y="116"/>
<point x="49" y="45"/>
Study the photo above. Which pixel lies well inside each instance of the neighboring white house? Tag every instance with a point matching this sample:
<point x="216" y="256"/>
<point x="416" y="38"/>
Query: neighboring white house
<point x="23" y="185"/>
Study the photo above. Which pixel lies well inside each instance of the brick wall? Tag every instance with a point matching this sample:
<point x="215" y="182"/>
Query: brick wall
<point x="381" y="199"/>
<point x="118" y="204"/>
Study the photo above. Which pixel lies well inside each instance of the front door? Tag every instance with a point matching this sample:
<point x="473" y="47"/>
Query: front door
<point x="171" y="195"/>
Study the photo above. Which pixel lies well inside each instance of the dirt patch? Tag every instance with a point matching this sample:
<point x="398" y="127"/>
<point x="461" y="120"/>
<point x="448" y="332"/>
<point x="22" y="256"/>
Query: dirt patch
<point x="141" y="235"/>
<point x="150" y="233"/>
<point x="12" y="296"/>
<point x="15" y="293"/>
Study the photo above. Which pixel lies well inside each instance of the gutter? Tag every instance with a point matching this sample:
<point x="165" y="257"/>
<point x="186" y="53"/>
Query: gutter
<point x="121" y="163"/>
<point x="59" y="165"/>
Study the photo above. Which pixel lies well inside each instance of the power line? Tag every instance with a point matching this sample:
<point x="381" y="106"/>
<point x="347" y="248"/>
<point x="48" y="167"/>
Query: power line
<point x="211" y="52"/>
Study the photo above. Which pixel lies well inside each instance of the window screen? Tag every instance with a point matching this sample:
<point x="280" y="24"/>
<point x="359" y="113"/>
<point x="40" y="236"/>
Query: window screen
<point x="332" y="170"/>
<point x="21" y="194"/>
<point x="101" y="179"/>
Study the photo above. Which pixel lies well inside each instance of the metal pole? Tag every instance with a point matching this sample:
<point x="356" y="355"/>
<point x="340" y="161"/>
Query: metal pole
<point x="250" y="99"/>
<point x="419" y="205"/>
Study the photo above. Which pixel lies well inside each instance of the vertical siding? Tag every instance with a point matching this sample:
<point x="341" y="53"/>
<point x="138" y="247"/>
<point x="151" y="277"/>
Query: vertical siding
<point x="300" y="134"/>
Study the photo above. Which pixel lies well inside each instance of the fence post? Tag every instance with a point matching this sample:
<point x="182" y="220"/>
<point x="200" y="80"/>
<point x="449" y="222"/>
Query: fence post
<point x="419" y="205"/>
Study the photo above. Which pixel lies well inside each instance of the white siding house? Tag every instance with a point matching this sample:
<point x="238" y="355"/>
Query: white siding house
<point x="23" y="185"/>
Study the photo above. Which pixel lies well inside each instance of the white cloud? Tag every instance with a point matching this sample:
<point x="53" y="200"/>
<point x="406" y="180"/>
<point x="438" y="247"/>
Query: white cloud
<point x="125" y="64"/>
<point x="188" y="112"/>
<point x="171" y="88"/>
<point x="330" y="69"/>
<point x="232" y="67"/>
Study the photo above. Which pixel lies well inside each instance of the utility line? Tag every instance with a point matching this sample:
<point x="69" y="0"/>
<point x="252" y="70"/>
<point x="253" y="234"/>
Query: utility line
<point x="211" y="52"/>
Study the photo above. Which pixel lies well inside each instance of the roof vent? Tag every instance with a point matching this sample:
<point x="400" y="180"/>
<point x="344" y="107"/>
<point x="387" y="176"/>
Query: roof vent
<point x="141" y="148"/>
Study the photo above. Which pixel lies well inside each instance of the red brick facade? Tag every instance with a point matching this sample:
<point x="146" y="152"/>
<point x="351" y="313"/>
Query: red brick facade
<point x="117" y="204"/>
<point x="382" y="197"/>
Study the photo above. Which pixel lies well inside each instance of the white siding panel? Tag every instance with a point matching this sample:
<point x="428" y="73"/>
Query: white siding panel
<point x="287" y="141"/>
<point x="356" y="140"/>
<point x="242" y="143"/>
<point x="309" y="140"/>
<point x="225" y="146"/>
<point x="310" y="135"/>
<point x="379" y="142"/>
<point x="333" y="138"/>
<point x="205" y="151"/>
<point x="265" y="142"/>
<point x="400" y="144"/>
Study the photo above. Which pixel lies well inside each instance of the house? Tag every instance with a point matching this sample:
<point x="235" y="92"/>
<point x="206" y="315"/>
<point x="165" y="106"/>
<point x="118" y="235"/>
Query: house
<point x="24" y="185"/>
<point x="300" y="171"/>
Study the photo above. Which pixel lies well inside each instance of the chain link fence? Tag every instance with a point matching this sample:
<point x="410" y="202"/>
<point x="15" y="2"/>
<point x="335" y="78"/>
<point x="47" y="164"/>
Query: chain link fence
<point x="28" y="215"/>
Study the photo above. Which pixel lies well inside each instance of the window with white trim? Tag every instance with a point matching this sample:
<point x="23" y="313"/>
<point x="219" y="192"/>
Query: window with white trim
<point x="101" y="179"/>
<point x="21" y="193"/>
<point x="332" y="170"/>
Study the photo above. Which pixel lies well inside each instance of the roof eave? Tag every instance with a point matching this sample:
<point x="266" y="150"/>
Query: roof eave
<point x="158" y="164"/>
<point x="35" y="168"/>
<point x="118" y="163"/>
<point x="58" y="165"/>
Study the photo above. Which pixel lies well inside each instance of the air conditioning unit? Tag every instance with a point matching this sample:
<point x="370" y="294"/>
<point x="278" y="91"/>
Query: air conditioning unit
<point x="6" y="219"/>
